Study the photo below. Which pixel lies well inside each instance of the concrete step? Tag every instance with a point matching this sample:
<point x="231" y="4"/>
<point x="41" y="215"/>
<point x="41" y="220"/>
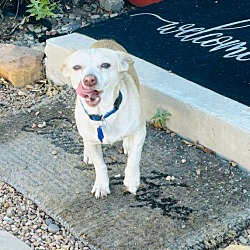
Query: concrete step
<point x="215" y="121"/>
<point x="10" y="242"/>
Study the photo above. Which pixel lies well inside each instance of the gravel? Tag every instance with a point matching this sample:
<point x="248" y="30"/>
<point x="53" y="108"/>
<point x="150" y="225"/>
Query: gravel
<point x="22" y="218"/>
<point x="13" y="99"/>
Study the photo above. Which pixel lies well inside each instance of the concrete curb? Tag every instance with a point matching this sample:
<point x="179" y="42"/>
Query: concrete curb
<point x="10" y="242"/>
<point x="215" y="121"/>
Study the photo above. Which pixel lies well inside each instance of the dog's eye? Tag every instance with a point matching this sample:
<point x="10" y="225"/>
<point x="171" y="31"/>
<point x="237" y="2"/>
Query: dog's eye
<point x="77" y="67"/>
<point x="105" y="65"/>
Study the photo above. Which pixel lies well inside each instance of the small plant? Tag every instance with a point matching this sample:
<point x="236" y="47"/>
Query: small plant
<point x="160" y="118"/>
<point x="41" y="8"/>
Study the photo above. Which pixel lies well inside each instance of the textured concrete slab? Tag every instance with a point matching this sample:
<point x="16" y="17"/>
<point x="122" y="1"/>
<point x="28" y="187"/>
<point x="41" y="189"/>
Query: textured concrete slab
<point x="204" y="205"/>
<point x="198" y="114"/>
<point x="10" y="242"/>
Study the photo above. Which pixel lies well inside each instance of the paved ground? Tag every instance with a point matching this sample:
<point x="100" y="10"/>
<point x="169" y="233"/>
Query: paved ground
<point x="204" y="205"/>
<point x="10" y="242"/>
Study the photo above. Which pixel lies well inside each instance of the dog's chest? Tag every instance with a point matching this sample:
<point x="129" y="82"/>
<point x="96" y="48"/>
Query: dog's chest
<point x="114" y="128"/>
<point x="106" y="132"/>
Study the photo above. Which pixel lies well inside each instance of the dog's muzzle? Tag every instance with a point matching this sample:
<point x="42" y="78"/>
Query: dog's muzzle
<point x="86" y="89"/>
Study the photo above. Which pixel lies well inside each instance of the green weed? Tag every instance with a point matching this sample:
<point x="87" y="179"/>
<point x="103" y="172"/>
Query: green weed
<point x="160" y="118"/>
<point x="41" y="8"/>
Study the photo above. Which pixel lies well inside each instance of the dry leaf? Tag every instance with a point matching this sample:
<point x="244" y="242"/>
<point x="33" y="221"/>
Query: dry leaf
<point x="29" y="86"/>
<point x="233" y="164"/>
<point x="208" y="150"/>
<point x="189" y="144"/>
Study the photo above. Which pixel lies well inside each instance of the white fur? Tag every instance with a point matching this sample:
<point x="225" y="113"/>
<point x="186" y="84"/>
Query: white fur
<point x="126" y="124"/>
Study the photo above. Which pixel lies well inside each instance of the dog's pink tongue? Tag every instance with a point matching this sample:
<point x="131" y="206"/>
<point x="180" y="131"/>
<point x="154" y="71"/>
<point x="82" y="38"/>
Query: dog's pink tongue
<point x="91" y="96"/>
<point x="84" y="92"/>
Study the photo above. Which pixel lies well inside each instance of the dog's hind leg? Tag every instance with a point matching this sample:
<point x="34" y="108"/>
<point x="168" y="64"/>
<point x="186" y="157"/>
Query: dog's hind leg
<point x="101" y="186"/>
<point x="132" y="171"/>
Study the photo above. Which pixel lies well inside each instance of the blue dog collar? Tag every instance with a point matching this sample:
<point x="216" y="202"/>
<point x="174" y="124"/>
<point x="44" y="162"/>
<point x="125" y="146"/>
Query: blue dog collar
<point x="95" y="117"/>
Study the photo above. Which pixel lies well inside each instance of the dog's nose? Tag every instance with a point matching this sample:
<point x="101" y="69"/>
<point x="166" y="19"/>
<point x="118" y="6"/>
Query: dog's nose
<point x="90" y="80"/>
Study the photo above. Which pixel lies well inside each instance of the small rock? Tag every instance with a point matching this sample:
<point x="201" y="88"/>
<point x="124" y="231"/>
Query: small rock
<point x="38" y="30"/>
<point x="53" y="228"/>
<point x="42" y="125"/>
<point x="53" y="32"/>
<point x="8" y="219"/>
<point x="21" y="93"/>
<point x="86" y="248"/>
<point x="55" y="92"/>
<point x="95" y="16"/>
<point x="170" y="178"/>
<point x="48" y="222"/>
<point x="36" y="244"/>
<point x="72" y="16"/>
<point x="243" y="240"/>
<point x="86" y="8"/>
<point x="183" y="161"/>
<point x="114" y="15"/>
<point x="54" y="152"/>
<point x="65" y="247"/>
<point x="112" y="5"/>
<point x="10" y="211"/>
<point x="6" y="205"/>
<point x="30" y="27"/>
<point x="29" y="37"/>
<point x="71" y="26"/>
<point x="78" y="18"/>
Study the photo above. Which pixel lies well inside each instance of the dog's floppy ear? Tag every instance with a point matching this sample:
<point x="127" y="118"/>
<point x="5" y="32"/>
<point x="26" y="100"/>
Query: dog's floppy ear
<point x="64" y="65"/>
<point x="124" y="61"/>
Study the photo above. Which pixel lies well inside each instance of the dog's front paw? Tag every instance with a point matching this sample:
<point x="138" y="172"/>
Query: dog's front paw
<point x="131" y="184"/>
<point x="100" y="190"/>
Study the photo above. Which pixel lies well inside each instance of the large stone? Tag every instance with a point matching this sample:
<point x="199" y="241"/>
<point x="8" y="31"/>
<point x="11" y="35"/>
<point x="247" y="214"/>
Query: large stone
<point x="20" y="65"/>
<point x="112" y="5"/>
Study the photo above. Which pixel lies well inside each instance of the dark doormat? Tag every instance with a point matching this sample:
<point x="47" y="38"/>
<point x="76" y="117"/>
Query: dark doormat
<point x="207" y="42"/>
<point x="188" y="199"/>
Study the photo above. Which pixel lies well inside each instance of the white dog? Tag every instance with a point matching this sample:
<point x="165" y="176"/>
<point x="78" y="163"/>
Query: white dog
<point x="107" y="108"/>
